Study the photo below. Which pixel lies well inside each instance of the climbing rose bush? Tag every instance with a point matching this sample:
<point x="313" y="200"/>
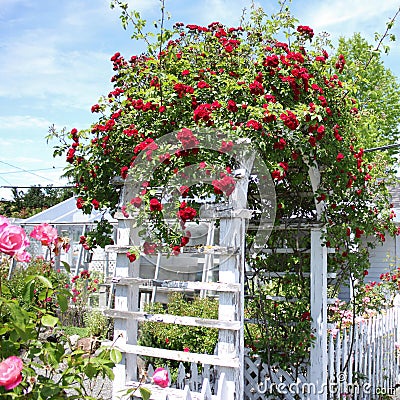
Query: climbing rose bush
<point x="287" y="98"/>
<point x="270" y="82"/>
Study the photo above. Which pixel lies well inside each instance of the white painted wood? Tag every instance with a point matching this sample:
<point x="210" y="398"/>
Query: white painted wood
<point x="181" y="285"/>
<point x="231" y="362"/>
<point x="319" y="294"/>
<point x="174" y="319"/>
<point x="156" y="272"/>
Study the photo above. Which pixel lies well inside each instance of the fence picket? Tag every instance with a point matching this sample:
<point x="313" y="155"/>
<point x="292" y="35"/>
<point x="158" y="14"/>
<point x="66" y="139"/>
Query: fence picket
<point x="206" y="390"/>
<point x="186" y="393"/>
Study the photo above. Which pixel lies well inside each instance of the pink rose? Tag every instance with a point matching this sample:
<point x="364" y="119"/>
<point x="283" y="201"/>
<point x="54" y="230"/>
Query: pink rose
<point x="10" y="372"/>
<point x="3" y="222"/>
<point x="13" y="239"/>
<point x="23" y="257"/>
<point x="45" y="233"/>
<point x="160" y="377"/>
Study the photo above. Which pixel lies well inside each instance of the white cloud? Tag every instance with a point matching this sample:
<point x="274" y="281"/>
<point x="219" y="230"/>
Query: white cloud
<point x="22" y="121"/>
<point x="344" y="18"/>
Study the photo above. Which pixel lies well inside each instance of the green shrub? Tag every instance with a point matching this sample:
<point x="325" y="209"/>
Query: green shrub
<point x="97" y="324"/>
<point x="180" y="337"/>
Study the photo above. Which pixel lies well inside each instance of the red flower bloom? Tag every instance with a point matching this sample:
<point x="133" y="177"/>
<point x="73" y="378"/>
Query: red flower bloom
<point x="188" y="139"/>
<point x="184" y="240"/>
<point x="231" y="106"/>
<point x="339" y="157"/>
<point x="256" y="88"/>
<point x="224" y="185"/>
<point x="136" y="202"/>
<point x="186" y="213"/>
<point x="359" y="232"/>
<point x="254" y="124"/>
<point x="280" y="145"/>
<point x="96" y="204"/>
<point x="290" y="120"/>
<point x="184" y="190"/>
<point x="306" y="31"/>
<point x="203" y="85"/>
<point x="131" y="256"/>
<point x="155" y="205"/>
<point x="226" y="147"/>
<point x="70" y="155"/>
<point x="149" y="248"/>
<point x="124" y="172"/>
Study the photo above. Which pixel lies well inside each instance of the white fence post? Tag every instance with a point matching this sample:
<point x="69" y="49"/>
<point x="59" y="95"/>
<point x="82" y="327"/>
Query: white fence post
<point x="318" y="282"/>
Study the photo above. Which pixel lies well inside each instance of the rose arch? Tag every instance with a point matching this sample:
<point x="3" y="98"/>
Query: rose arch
<point x="190" y="118"/>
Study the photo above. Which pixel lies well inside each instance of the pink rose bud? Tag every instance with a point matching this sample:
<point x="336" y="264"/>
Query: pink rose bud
<point x="160" y="377"/>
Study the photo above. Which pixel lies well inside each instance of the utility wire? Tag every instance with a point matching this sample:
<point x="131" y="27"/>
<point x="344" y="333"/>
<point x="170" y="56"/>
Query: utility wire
<point x="389" y="146"/>
<point x="32" y="170"/>
<point x="32" y="173"/>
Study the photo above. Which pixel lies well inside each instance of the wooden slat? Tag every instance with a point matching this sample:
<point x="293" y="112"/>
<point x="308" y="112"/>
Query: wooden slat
<point x="232" y="362"/>
<point x="181" y="285"/>
<point x="174" y="319"/>
<point x="121" y="249"/>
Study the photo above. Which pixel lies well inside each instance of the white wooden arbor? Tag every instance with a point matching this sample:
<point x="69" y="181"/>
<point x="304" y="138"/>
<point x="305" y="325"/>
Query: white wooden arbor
<point x="230" y="289"/>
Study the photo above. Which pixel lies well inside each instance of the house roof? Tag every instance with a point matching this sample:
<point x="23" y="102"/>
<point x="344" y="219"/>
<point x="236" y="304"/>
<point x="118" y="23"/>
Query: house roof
<point x="66" y="212"/>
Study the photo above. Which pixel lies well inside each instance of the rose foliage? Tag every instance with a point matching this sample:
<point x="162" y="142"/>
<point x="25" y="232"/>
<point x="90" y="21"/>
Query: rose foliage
<point x="37" y="359"/>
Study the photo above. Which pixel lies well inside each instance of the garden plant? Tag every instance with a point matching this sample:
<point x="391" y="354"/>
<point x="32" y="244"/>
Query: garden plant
<point x="182" y="115"/>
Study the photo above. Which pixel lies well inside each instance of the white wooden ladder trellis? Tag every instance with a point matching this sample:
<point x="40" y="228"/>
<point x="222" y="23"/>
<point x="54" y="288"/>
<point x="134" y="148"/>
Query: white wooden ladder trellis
<point x="126" y="314"/>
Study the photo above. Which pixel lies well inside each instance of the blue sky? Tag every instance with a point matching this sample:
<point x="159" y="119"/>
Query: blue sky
<point x="54" y="63"/>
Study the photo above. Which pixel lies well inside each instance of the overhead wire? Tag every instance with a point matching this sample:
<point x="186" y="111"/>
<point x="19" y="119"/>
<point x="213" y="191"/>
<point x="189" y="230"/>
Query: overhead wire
<point x="27" y="171"/>
<point x="32" y="170"/>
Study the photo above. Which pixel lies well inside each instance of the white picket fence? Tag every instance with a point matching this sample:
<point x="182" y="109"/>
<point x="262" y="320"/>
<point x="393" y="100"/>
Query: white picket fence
<point x="189" y="391"/>
<point x="363" y="360"/>
<point x="363" y="364"/>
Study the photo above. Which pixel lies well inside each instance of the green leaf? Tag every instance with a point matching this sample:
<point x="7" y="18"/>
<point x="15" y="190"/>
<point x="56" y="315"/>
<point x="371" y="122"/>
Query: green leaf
<point x="115" y="356"/>
<point x="46" y="282"/>
<point x="62" y="302"/>
<point x="145" y="393"/>
<point x="29" y="291"/>
<point x="49" y="320"/>
<point x="66" y="266"/>
<point x="90" y="371"/>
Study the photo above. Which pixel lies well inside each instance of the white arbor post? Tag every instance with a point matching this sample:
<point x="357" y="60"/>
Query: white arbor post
<point x="231" y="270"/>
<point x="319" y="351"/>
<point x="127" y="299"/>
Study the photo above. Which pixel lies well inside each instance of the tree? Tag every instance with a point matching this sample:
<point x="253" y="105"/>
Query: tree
<point x="376" y="90"/>
<point x="34" y="200"/>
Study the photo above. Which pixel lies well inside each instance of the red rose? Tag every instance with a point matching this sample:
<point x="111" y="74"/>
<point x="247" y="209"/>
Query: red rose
<point x="232" y="106"/>
<point x="339" y="157"/>
<point x="136" y="202"/>
<point x="96" y="204"/>
<point x="131" y="256"/>
<point x="186" y="213"/>
<point x="124" y="172"/>
<point x="224" y="185"/>
<point x="149" y="248"/>
<point x="226" y="146"/>
<point x="155" y="205"/>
